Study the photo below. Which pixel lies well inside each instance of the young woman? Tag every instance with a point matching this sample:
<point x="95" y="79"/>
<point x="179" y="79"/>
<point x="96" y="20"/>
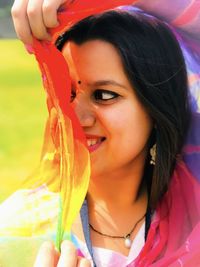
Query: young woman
<point x="130" y="94"/>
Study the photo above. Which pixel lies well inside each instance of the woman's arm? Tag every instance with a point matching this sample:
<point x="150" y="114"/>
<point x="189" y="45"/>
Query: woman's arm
<point x="49" y="257"/>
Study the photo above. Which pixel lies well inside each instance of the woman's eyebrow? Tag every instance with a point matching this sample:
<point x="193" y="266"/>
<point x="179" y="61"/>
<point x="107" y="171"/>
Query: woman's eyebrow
<point x="106" y="82"/>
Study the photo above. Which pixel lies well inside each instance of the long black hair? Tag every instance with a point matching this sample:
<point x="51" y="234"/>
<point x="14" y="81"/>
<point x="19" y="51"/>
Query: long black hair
<point x="155" y="66"/>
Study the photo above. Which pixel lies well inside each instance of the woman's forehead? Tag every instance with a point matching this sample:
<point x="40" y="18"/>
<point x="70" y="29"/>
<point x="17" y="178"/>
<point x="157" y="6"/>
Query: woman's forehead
<point x="96" y="60"/>
<point x="95" y="63"/>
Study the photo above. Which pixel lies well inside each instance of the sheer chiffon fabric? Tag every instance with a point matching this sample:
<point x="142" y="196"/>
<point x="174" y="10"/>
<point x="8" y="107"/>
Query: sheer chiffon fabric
<point x="173" y="238"/>
<point x="174" y="235"/>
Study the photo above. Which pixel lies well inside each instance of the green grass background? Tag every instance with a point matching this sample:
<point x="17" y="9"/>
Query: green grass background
<point x="22" y="114"/>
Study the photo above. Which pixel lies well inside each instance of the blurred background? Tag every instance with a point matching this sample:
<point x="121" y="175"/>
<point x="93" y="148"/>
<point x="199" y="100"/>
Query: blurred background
<point x="6" y="27"/>
<point x="22" y="107"/>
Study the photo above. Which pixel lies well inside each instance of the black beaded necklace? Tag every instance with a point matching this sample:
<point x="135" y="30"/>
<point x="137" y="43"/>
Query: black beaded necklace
<point x="86" y="227"/>
<point x="127" y="240"/>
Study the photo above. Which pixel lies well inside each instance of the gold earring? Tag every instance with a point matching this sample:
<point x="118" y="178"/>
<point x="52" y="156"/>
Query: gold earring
<point x="153" y="155"/>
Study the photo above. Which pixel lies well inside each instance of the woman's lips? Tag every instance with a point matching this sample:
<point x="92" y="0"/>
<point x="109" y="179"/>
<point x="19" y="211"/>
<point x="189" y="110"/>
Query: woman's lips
<point x="94" y="142"/>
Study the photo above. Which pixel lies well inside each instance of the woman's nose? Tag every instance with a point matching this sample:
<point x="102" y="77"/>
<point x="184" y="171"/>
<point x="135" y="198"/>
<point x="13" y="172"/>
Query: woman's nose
<point x="84" y="112"/>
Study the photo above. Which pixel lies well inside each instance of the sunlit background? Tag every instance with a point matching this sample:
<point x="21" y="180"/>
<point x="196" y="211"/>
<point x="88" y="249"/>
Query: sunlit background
<point x="22" y="107"/>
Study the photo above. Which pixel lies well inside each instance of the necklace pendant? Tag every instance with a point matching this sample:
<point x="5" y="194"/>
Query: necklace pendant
<point x="127" y="242"/>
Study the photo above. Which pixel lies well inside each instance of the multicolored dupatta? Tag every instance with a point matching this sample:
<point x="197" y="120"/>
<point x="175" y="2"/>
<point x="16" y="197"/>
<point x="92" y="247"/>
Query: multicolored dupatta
<point x="48" y="203"/>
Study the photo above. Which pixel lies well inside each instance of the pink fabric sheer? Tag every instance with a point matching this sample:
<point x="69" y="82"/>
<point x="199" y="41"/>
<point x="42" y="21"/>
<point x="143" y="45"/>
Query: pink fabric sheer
<point x="174" y="235"/>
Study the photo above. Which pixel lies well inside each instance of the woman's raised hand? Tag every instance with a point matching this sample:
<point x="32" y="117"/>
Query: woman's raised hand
<point x="33" y="17"/>
<point x="49" y="257"/>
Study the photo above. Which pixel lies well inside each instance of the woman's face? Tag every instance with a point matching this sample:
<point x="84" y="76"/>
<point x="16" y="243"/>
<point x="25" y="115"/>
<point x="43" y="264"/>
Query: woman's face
<point x="115" y="123"/>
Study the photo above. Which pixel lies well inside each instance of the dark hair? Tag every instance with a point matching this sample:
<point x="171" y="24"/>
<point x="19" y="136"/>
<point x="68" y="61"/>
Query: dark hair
<point x="155" y="66"/>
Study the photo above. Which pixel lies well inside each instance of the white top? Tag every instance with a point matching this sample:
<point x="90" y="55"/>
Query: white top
<point x="109" y="258"/>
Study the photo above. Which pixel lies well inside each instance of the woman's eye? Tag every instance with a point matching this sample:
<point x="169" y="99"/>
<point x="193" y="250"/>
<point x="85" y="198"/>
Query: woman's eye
<point x="104" y="95"/>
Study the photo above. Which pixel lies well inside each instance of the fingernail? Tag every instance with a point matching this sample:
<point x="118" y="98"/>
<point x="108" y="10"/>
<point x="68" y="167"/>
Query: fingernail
<point x="29" y="48"/>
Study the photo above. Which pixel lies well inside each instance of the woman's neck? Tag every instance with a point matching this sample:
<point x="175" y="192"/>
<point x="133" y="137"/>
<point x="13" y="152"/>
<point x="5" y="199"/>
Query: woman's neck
<point x="117" y="190"/>
<point x="117" y="198"/>
<point x="115" y="205"/>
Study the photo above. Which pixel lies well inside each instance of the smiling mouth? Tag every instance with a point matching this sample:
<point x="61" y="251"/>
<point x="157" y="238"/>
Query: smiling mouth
<point x="94" y="143"/>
